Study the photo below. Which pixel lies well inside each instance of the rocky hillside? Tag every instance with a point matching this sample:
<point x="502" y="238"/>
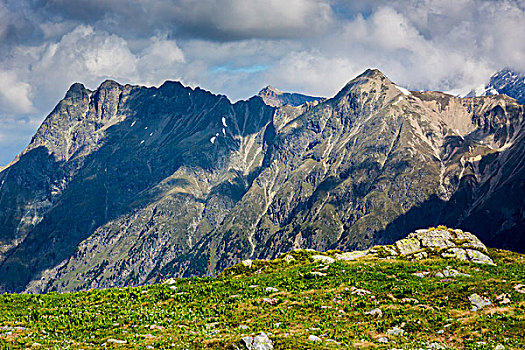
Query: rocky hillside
<point x="413" y="294"/>
<point x="126" y="185"/>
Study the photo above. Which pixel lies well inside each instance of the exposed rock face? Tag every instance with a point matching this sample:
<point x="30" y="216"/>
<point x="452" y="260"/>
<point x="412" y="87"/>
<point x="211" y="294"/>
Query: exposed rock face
<point x="441" y="242"/>
<point x="127" y="185"/>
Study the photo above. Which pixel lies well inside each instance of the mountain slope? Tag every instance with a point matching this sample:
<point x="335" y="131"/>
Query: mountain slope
<point x="135" y="184"/>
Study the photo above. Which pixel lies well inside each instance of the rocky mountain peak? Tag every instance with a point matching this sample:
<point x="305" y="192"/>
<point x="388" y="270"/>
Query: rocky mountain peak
<point x="277" y="98"/>
<point x="77" y="92"/>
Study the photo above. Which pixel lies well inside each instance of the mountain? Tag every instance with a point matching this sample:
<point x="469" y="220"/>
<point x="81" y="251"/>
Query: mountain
<point x="277" y="98"/>
<point x="506" y="82"/>
<point x="126" y="185"/>
<point x="301" y="300"/>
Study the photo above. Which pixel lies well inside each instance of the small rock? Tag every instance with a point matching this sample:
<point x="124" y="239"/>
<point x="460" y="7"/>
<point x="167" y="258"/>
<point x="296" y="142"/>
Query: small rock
<point x="149" y="347"/>
<point x="499" y="347"/>
<point x="323" y="258"/>
<point x="435" y="345"/>
<point x="170" y="281"/>
<point x="154" y="326"/>
<point x="520" y="288"/>
<point x="116" y="341"/>
<point x="395" y="331"/>
<point x="288" y="258"/>
<point x="422" y="274"/>
<point x="244" y="327"/>
<point x="375" y="312"/>
<point x="382" y="340"/>
<point x="318" y="273"/>
<point x="360" y="292"/>
<point x="271" y="301"/>
<point x="272" y="289"/>
<point x="247" y="263"/>
<point x="455" y="253"/>
<point x="351" y="255"/>
<point x="333" y="341"/>
<point x="314" y="338"/>
<point x="479" y="258"/>
<point x="173" y="287"/>
<point x="441" y="331"/>
<point x="408" y="245"/>
<point x="420" y="255"/>
<point x="36" y="345"/>
<point x="478" y="302"/>
<point x="277" y="324"/>
<point x="503" y="298"/>
<point x="260" y="342"/>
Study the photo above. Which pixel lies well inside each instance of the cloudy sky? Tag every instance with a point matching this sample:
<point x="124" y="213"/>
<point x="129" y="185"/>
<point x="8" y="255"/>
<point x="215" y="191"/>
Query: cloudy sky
<point x="236" y="47"/>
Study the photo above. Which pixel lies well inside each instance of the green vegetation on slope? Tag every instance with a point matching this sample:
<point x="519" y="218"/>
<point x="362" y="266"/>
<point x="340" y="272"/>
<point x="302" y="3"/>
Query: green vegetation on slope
<point x="329" y="300"/>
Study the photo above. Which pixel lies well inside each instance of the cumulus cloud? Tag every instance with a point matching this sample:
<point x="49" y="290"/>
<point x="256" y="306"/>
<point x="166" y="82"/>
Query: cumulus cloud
<point x="15" y="95"/>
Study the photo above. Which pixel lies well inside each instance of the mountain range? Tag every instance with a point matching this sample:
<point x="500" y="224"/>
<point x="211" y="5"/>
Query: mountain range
<point x="128" y="185"/>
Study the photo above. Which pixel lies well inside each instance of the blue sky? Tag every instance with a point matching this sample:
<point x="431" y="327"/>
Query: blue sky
<point x="236" y="47"/>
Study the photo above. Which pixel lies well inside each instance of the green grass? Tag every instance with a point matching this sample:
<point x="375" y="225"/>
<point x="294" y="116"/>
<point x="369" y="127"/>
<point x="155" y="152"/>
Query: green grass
<point x="207" y="312"/>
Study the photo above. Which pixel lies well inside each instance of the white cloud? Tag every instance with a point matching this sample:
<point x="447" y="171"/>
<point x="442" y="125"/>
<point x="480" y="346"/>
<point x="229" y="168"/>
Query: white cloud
<point x="15" y="95"/>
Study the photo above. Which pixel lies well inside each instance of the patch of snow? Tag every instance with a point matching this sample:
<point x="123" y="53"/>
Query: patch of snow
<point x="459" y="134"/>
<point x="400" y="98"/>
<point x="146" y="128"/>
<point x="403" y="90"/>
<point x="141" y="142"/>
<point x="224" y="122"/>
<point x="224" y="131"/>
<point x="150" y="134"/>
<point x="212" y="140"/>
<point x="132" y="123"/>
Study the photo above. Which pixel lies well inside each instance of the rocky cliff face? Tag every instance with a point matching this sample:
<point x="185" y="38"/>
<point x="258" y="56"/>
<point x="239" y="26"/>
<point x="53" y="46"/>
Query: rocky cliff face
<point x="126" y="185"/>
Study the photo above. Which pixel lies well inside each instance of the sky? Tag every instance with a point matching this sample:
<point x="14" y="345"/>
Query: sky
<point x="236" y="47"/>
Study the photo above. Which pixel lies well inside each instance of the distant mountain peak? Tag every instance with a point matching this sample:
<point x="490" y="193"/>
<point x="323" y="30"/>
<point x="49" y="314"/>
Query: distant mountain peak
<point x="277" y="98"/>
<point x="505" y="81"/>
<point x="270" y="89"/>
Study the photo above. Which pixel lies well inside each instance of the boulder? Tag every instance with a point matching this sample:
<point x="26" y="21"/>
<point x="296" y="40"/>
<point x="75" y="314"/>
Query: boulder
<point x="259" y="342"/>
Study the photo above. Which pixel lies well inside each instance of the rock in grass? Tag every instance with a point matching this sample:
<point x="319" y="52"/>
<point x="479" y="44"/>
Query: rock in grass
<point x="260" y="342"/>
<point x="352" y="255"/>
<point x="395" y="331"/>
<point x="271" y="301"/>
<point x="272" y="289"/>
<point x="289" y="258"/>
<point x="408" y="245"/>
<point x="247" y="263"/>
<point x="323" y="258"/>
<point x="314" y="338"/>
<point x="116" y="341"/>
<point x="478" y="302"/>
<point x="375" y="312"/>
<point x="478" y="257"/>
<point x="382" y="340"/>
<point x="520" y="288"/>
